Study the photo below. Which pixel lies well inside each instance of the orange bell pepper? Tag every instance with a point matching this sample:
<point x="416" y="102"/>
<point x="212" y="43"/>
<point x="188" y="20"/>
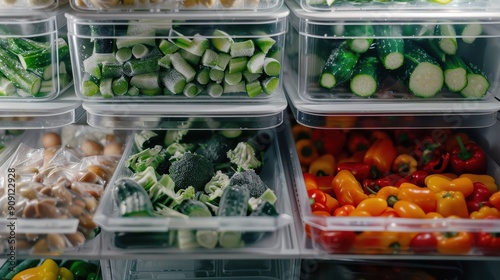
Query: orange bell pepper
<point x="454" y="243"/>
<point x="306" y="151"/>
<point x="347" y="189"/>
<point x="487" y="180"/>
<point x="389" y="194"/>
<point x="310" y="181"/>
<point x="381" y="154"/>
<point x="495" y="200"/>
<point x="374" y="206"/>
<point x="451" y="203"/>
<point x="323" y="165"/>
<point x="404" y="164"/>
<point x="343" y="211"/>
<point x="406" y="209"/>
<point x="423" y="197"/>
<point x="438" y="184"/>
<point x="484" y="212"/>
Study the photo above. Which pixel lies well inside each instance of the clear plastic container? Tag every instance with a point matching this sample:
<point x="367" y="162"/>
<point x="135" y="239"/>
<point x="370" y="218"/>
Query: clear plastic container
<point x="56" y="189"/>
<point x="415" y="114"/>
<point x="35" y="56"/>
<point x="372" y="237"/>
<point x="162" y="230"/>
<point x="177" y="5"/>
<point x="177" y="115"/>
<point x="371" y="62"/>
<point x="21" y="6"/>
<point x="267" y="269"/>
<point x="146" y="57"/>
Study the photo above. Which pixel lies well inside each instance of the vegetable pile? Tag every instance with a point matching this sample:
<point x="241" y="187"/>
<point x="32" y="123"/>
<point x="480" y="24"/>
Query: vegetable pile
<point x="181" y="62"/>
<point x="63" y="180"/>
<point x="423" y="65"/>
<point x="50" y="269"/>
<point x="28" y="68"/>
<point x="417" y="174"/>
<point x="190" y="173"/>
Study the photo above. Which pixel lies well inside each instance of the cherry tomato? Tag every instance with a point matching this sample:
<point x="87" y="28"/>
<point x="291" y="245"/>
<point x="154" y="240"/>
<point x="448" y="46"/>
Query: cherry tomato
<point x="423" y="243"/>
<point x="337" y="241"/>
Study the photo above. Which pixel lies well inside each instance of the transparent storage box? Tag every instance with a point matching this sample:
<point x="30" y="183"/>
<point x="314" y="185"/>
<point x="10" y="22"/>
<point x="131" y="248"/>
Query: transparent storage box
<point x="372" y="237"/>
<point x="79" y="266"/>
<point x="177" y="5"/>
<point x="266" y="269"/>
<point x="163" y="231"/>
<point x="21" y="6"/>
<point x="390" y="58"/>
<point x="35" y="61"/>
<point x="49" y="193"/>
<point x="187" y="56"/>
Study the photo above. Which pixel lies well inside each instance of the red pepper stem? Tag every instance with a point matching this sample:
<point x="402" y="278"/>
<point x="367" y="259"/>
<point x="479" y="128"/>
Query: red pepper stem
<point x="463" y="154"/>
<point x="371" y="191"/>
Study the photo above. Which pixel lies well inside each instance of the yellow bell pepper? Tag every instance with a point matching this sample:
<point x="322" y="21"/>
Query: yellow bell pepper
<point x="65" y="274"/>
<point x="48" y="270"/>
<point x="450" y="203"/>
<point x="438" y="184"/>
<point x="484" y="212"/>
<point x="487" y="180"/>
<point x="323" y="166"/>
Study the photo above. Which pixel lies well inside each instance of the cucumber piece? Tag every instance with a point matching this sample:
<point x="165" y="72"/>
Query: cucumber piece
<point x="207" y="238"/>
<point x="47" y="72"/>
<point x="418" y="31"/>
<point x="270" y="84"/>
<point x="22" y="79"/>
<point x="190" y="90"/>
<point x="214" y="89"/>
<point x="173" y="81"/>
<point x="448" y="38"/>
<point x="477" y="83"/>
<point x="265" y="44"/>
<point x="222" y="41"/>
<point x="391" y="49"/>
<point x="181" y="65"/>
<point x="230" y="239"/>
<point x="216" y="75"/>
<point x="145" y="81"/>
<point x="272" y="67"/>
<point x="338" y="67"/>
<point x="186" y="239"/>
<point x="265" y="208"/>
<point x="362" y="37"/>
<point x="256" y="63"/>
<point x="165" y="62"/>
<point x="47" y="86"/>
<point x="150" y="91"/>
<point x="7" y="88"/>
<point x="189" y="57"/>
<point x="103" y="44"/>
<point x="432" y="47"/>
<point x="131" y="198"/>
<point x="253" y="89"/>
<point x="238" y="88"/>
<point x="133" y="91"/>
<point x="105" y="88"/>
<point x="210" y="58"/>
<point x="455" y="73"/>
<point x="238" y="64"/>
<point x="469" y="32"/>
<point x="111" y="70"/>
<point x="203" y="76"/>
<point x="222" y="61"/>
<point x="420" y="72"/>
<point x="232" y="78"/>
<point x="366" y="76"/>
<point x="250" y="77"/>
<point x="141" y="66"/>
<point x="140" y="51"/>
<point x="194" y="208"/>
<point x="167" y="47"/>
<point x="242" y="49"/>
<point x="199" y="46"/>
<point x="120" y="85"/>
<point x="89" y="88"/>
<point x="123" y="55"/>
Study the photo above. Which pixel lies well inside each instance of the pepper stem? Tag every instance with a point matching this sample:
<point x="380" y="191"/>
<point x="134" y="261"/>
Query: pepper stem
<point x="391" y="200"/>
<point x="463" y="154"/>
<point x="372" y="191"/>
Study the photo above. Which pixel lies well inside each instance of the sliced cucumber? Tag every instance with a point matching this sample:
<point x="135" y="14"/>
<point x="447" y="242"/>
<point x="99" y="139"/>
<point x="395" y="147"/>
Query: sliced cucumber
<point x="214" y="89"/>
<point x="105" y="88"/>
<point x="181" y="65"/>
<point x="145" y="81"/>
<point x="203" y="76"/>
<point x="216" y="75"/>
<point x="242" y="49"/>
<point x="253" y="89"/>
<point x="265" y="44"/>
<point x="272" y="67"/>
<point x="232" y="78"/>
<point x="256" y="63"/>
<point x="238" y="88"/>
<point x="120" y="85"/>
<point x="238" y="64"/>
<point x="270" y="84"/>
<point x="173" y="81"/>
<point x="222" y="42"/>
<point x="123" y="55"/>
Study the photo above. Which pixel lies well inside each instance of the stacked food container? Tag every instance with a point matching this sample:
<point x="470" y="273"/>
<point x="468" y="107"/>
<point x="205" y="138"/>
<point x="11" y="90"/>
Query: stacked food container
<point x="385" y="96"/>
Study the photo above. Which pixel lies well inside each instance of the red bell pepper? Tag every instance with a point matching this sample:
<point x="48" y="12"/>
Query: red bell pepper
<point x="478" y="198"/>
<point x="488" y="242"/>
<point x="337" y="241"/>
<point x="373" y="186"/>
<point x="469" y="158"/>
<point x="416" y="178"/>
<point x="329" y="141"/>
<point x="431" y="155"/>
<point x="356" y="141"/>
<point x="424" y="243"/>
<point x="360" y="170"/>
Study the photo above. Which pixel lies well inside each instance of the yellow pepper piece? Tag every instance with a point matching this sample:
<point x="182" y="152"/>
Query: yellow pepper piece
<point x="449" y="176"/>
<point x="48" y="270"/>
<point x="323" y="166"/>
<point x="438" y="184"/>
<point x="404" y="164"/>
<point x="484" y="212"/>
<point x="65" y="274"/>
<point x="451" y="203"/>
<point x="487" y="180"/>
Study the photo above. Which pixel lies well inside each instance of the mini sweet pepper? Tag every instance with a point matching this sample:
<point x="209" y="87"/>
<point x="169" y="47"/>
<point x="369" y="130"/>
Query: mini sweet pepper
<point x="48" y="270"/>
<point x="360" y="170"/>
<point x="356" y="141"/>
<point x="451" y="203"/>
<point x="347" y="189"/>
<point x="404" y="164"/>
<point x="441" y="183"/>
<point x="487" y="180"/>
<point x="323" y="165"/>
<point x="495" y="200"/>
<point x="306" y="151"/>
<point x="485" y="212"/>
<point x="469" y="158"/>
<point x="478" y="198"/>
<point x="321" y="201"/>
<point x="453" y="243"/>
<point x="381" y="154"/>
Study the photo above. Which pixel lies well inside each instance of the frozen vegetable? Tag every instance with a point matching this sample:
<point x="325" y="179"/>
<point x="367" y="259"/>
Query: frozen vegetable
<point x="191" y="170"/>
<point x="178" y="63"/>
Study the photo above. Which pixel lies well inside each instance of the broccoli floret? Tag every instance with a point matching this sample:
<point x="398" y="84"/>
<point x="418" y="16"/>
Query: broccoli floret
<point x="216" y="148"/>
<point x="244" y="157"/>
<point x="250" y="180"/>
<point x="191" y="170"/>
